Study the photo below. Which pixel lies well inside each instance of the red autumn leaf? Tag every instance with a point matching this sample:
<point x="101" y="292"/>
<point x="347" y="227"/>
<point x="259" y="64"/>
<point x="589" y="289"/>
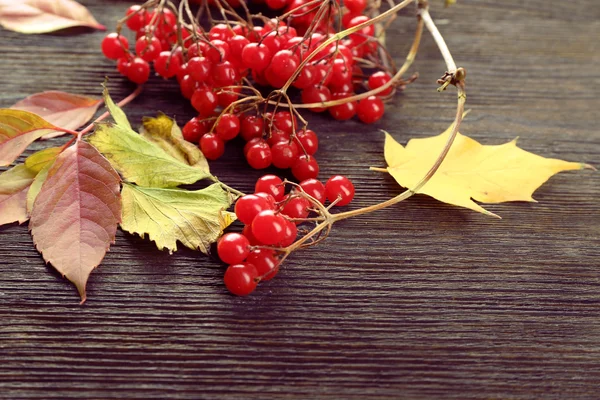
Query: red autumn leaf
<point x="43" y="16"/>
<point x="18" y="129"/>
<point x="67" y="110"/>
<point x="75" y="216"/>
<point x="14" y="185"/>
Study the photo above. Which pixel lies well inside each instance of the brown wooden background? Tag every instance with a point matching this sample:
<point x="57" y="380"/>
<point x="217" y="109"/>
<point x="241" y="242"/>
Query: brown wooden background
<point x="422" y="300"/>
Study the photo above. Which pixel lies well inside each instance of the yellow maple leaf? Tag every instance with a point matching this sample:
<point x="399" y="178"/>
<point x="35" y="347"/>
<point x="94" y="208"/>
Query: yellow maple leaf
<point x="488" y="174"/>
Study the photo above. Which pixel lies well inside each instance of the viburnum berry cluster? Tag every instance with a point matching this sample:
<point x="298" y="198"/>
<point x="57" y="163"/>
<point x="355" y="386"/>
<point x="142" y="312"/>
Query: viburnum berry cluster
<point x="249" y="75"/>
<point x="272" y="221"/>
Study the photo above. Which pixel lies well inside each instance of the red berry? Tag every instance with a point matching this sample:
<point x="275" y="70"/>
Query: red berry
<point x="252" y="126"/>
<point x="216" y="51"/>
<point x="221" y="32"/>
<point x="270" y="199"/>
<point x="282" y="120"/>
<point x="240" y="279"/>
<point x="284" y="64"/>
<point x="341" y="72"/>
<point x="256" y="56"/>
<point x="193" y="130"/>
<point x="188" y="86"/>
<point x="289" y="236"/>
<point x="199" y="68"/>
<point x="204" y="101"/>
<point x="314" y="188"/>
<point x="138" y="71"/>
<point x="249" y="206"/>
<point x="306" y="167"/>
<point x="148" y="49"/>
<point x="306" y="77"/>
<point x="339" y="186"/>
<point x="139" y="18"/>
<point x="370" y="110"/>
<point x="284" y="154"/>
<point x="269" y="227"/>
<point x="276" y="4"/>
<point x="212" y="146"/>
<point x="272" y="185"/>
<point x="228" y="95"/>
<point x="237" y="45"/>
<point x="379" y="79"/>
<point x="265" y="263"/>
<point x="123" y="65"/>
<point x="343" y="111"/>
<point x="247" y="231"/>
<point x="224" y="74"/>
<point x="233" y="248"/>
<point x="296" y="208"/>
<point x="166" y="64"/>
<point x="114" y="46"/>
<point x="355" y="6"/>
<point x="366" y="31"/>
<point x="316" y="94"/>
<point x="259" y="155"/>
<point x="228" y="127"/>
<point x="308" y="141"/>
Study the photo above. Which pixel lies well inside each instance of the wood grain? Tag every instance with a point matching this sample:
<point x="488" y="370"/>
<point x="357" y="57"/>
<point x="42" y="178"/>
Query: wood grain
<point x="421" y="300"/>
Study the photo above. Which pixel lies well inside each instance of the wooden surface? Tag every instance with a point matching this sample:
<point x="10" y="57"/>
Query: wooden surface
<point x="421" y="300"/>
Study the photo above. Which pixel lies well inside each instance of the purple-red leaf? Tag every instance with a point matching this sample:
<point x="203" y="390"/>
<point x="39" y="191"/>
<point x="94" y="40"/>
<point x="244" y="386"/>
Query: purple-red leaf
<point x="18" y="129"/>
<point x="43" y="16"/>
<point x="75" y="215"/>
<point x="14" y="185"/>
<point x="67" y="110"/>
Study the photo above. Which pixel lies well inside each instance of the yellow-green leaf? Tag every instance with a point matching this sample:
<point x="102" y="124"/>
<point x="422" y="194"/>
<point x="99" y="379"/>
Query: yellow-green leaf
<point x="39" y="160"/>
<point x="488" y="174"/>
<point x="36" y="186"/>
<point x="141" y="161"/>
<point x="450" y="3"/>
<point x="164" y="131"/>
<point x="14" y="184"/>
<point x="115" y="111"/>
<point x="18" y="129"/>
<point x="195" y="218"/>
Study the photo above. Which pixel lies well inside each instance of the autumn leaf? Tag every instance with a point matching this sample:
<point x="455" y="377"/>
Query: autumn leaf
<point x="488" y="174"/>
<point x="18" y="129"/>
<point x="39" y="160"/>
<point x="14" y="185"/>
<point x="163" y="131"/>
<point x="75" y="216"/>
<point x="67" y="110"/>
<point x="195" y="218"/>
<point x="117" y="114"/>
<point x="43" y="16"/>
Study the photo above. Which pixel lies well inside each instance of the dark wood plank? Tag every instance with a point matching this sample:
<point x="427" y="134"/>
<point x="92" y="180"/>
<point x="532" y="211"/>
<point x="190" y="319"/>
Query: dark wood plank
<point x="421" y="300"/>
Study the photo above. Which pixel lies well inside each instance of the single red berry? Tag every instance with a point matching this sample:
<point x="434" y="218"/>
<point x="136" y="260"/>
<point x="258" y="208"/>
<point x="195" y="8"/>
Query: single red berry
<point x="247" y="231"/>
<point x="259" y="155"/>
<point x="166" y="64"/>
<point x="276" y="4"/>
<point x="233" y="248"/>
<point x="237" y="45"/>
<point x="273" y="41"/>
<point x="284" y="154"/>
<point x="114" y="46"/>
<point x="308" y="141"/>
<point x="228" y="95"/>
<point x="273" y="78"/>
<point x="199" y="68"/>
<point x="296" y="208"/>
<point x="188" y="86"/>
<point x="148" y="49"/>
<point x="277" y="136"/>
<point x="343" y="111"/>
<point x="316" y="94"/>
<point x="323" y="74"/>
<point x="366" y="31"/>
<point x="256" y="56"/>
<point x="123" y="65"/>
<point x="167" y="23"/>
<point x="204" y="101"/>
<point x="224" y="74"/>
<point x="284" y="64"/>
<point x="315" y="188"/>
<point x="240" y="279"/>
<point x="253" y="142"/>
<point x="139" y="71"/>
<point x="379" y="79"/>
<point x="228" y="127"/>
<point x="289" y="236"/>
<point x="249" y="206"/>
<point x="339" y="186"/>
<point x="193" y="130"/>
<point x="221" y="32"/>
<point x="270" y="199"/>
<point x="306" y="167"/>
<point x="217" y="51"/>
<point x="272" y="185"/>
<point x="355" y="6"/>
<point x="268" y="227"/>
<point x="307" y="77"/>
<point x="252" y="126"/>
<point x="212" y="146"/>
<point x="138" y="18"/>
<point x="370" y="110"/>
<point x="341" y="72"/>
<point x="284" y="121"/>
<point x="265" y="263"/>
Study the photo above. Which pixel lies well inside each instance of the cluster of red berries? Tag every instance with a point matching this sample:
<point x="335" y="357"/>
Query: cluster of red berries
<point x="271" y="217"/>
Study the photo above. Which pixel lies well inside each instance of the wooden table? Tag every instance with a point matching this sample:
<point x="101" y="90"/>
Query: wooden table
<point x="420" y="300"/>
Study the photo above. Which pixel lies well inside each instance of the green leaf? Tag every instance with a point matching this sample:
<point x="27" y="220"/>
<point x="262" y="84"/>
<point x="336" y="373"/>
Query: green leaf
<point x="39" y="160"/>
<point x="195" y="218"/>
<point x="36" y="186"/>
<point x="14" y="184"/>
<point x="115" y="111"/>
<point x="141" y="161"/>
<point x="164" y="132"/>
<point x="18" y="129"/>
